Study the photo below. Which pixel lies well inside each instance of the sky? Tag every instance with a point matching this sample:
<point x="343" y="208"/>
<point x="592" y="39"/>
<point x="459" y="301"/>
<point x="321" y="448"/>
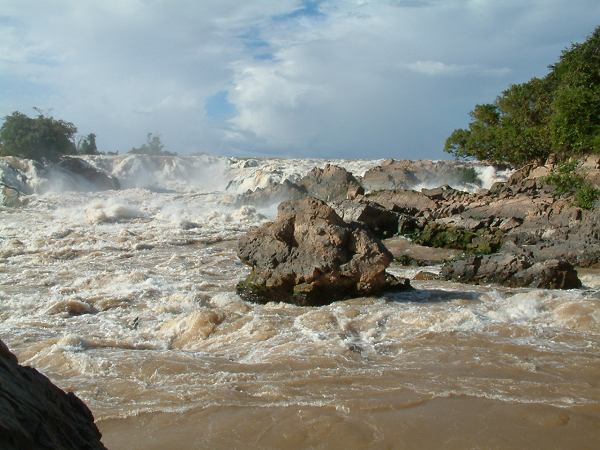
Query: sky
<point x="293" y="78"/>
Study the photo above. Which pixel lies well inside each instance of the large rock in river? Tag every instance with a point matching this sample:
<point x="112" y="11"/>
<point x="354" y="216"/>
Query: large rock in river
<point x="310" y="256"/>
<point x="35" y="414"/>
<point x="514" y="271"/>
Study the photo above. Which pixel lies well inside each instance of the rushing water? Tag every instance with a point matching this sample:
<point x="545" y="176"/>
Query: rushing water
<point x="128" y="299"/>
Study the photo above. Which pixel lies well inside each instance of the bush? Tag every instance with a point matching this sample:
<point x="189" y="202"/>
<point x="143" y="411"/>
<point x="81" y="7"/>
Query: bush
<point x="567" y="182"/>
<point x="558" y="114"/>
<point x="39" y="138"/>
<point x="587" y="196"/>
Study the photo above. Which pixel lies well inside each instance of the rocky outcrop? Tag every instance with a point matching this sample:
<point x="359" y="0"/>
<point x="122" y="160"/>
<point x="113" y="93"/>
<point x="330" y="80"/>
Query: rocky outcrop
<point x="331" y="184"/>
<point x="79" y="175"/>
<point x="382" y="222"/>
<point x="269" y="195"/>
<point x="35" y="414"/>
<point x="310" y="256"/>
<point x="513" y="271"/>
<point x="406" y="174"/>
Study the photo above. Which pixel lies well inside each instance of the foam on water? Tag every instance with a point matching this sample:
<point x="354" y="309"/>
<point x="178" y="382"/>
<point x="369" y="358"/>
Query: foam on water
<point x="129" y="297"/>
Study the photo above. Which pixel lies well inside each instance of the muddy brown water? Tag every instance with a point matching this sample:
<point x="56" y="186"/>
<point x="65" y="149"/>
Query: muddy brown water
<point x="140" y="318"/>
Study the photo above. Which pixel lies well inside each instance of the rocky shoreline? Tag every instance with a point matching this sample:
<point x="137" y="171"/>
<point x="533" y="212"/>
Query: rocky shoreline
<point x="518" y="233"/>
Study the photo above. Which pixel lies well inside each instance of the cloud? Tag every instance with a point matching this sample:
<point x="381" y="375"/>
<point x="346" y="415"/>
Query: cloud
<point x="435" y="68"/>
<point x="352" y="78"/>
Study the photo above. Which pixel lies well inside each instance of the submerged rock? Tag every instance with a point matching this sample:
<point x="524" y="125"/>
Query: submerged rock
<point x="35" y="414"/>
<point x="310" y="256"/>
<point x="513" y="271"/>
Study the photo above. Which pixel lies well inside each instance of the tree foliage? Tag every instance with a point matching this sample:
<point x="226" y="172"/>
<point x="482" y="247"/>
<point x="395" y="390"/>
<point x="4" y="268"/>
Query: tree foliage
<point x="153" y="146"/>
<point x="39" y="138"/>
<point x="558" y="114"/>
<point x="87" y="145"/>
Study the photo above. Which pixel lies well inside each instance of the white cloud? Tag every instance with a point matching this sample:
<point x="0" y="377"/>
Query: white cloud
<point x="362" y="78"/>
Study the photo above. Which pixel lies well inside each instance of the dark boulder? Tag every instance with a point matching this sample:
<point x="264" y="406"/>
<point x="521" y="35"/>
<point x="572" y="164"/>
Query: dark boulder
<point x="275" y="193"/>
<point x="382" y="222"/>
<point x="79" y="175"/>
<point x="35" y="414"/>
<point x="310" y="256"/>
<point x="513" y="271"/>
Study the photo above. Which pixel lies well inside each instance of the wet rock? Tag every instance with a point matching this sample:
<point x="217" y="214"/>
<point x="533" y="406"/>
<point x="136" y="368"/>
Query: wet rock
<point x="35" y="414"/>
<point x="423" y="275"/>
<point x="404" y="201"/>
<point x="272" y="194"/>
<point x="380" y="221"/>
<point x="331" y="183"/>
<point x="407" y="252"/>
<point x="513" y="271"/>
<point x="79" y="175"/>
<point x="310" y="256"/>
<point x="550" y="274"/>
<point x="440" y="193"/>
<point x="440" y="235"/>
<point x="406" y="174"/>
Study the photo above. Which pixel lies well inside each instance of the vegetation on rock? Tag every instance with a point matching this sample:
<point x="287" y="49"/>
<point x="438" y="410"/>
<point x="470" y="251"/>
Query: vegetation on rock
<point x="566" y="181"/>
<point x="446" y="236"/>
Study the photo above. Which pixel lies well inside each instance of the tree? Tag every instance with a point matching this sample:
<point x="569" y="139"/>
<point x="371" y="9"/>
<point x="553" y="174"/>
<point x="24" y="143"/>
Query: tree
<point x="558" y="114"/>
<point x="87" y="145"/>
<point x="39" y="138"/>
<point x="153" y="146"/>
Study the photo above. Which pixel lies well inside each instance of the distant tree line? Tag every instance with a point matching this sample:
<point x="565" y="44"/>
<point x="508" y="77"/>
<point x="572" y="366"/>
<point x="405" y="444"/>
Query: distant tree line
<point x="153" y="146"/>
<point x="44" y="138"/>
<point x="557" y="114"/>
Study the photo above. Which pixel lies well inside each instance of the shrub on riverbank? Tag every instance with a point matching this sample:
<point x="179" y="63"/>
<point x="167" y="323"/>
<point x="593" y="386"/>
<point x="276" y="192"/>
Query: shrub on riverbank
<point x="557" y="114"/>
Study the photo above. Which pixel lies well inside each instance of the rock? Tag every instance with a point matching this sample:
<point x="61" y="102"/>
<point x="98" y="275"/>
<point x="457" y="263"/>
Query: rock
<point x="79" y="175"/>
<point x="423" y="275"/>
<point x="269" y="195"/>
<point x="406" y="251"/>
<point x="310" y="256"/>
<point x="440" y="235"/>
<point x="509" y="224"/>
<point x="331" y="184"/>
<point x="513" y="271"/>
<point x="404" y="201"/>
<point x="406" y="174"/>
<point x="440" y="193"/>
<point x="35" y="414"/>
<point x="389" y="176"/>
<point x="550" y="274"/>
<point x="381" y="222"/>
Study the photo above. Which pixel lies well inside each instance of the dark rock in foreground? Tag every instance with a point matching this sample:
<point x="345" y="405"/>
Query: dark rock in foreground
<point x="310" y="256"/>
<point x="513" y="271"/>
<point x="35" y="414"/>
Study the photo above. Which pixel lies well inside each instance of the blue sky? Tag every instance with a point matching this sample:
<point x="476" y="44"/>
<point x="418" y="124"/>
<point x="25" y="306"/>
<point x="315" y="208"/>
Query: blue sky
<point x="330" y="78"/>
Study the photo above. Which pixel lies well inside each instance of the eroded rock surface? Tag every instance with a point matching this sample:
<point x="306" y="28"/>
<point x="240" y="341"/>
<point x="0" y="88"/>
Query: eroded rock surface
<point x="35" y="414"/>
<point x="310" y="256"/>
<point x="513" y="271"/>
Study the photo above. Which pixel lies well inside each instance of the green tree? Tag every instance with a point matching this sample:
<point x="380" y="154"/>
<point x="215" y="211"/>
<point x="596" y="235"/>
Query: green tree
<point x="153" y="146"/>
<point x="87" y="145"/>
<point x="39" y="138"/>
<point x="559" y="114"/>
